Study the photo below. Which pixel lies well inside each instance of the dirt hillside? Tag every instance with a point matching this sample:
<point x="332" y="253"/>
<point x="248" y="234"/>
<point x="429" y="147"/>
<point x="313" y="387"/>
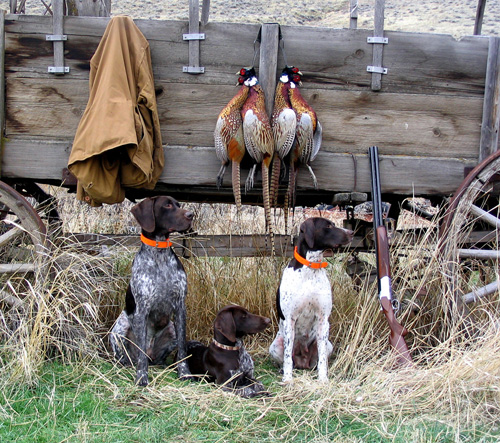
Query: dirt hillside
<point x="454" y="17"/>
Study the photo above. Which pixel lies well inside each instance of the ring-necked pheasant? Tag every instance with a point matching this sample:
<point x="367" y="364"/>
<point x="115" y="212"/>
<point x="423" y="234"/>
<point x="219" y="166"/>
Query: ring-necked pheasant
<point x="283" y="123"/>
<point x="228" y="137"/>
<point x="308" y="135"/>
<point x="259" y="141"/>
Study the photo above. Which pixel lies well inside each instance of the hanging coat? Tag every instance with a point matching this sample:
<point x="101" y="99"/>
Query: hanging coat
<point x="118" y="141"/>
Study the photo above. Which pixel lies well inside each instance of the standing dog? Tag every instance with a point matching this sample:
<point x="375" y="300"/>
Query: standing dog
<point x="144" y="331"/>
<point x="225" y="361"/>
<point x="304" y="300"/>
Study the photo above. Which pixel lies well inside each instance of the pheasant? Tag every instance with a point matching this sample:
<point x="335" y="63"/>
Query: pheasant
<point x="228" y="137"/>
<point x="308" y="135"/>
<point x="283" y="123"/>
<point x="259" y="141"/>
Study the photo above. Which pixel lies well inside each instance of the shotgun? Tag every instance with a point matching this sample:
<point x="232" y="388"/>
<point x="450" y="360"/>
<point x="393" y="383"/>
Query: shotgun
<point x="398" y="332"/>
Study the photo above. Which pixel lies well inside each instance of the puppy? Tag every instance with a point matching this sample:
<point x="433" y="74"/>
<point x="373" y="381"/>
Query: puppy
<point x="304" y="300"/>
<point x="225" y="361"/>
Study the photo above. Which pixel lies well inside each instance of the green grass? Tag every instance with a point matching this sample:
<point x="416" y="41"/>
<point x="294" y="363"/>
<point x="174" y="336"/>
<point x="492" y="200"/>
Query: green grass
<point x="98" y="402"/>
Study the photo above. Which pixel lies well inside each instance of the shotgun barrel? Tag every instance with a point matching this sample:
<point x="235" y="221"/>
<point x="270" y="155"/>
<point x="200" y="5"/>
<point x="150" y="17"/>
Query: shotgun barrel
<point x="397" y="331"/>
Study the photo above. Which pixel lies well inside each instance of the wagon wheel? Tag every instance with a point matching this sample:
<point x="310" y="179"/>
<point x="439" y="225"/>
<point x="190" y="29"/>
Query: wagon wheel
<point x="23" y="234"/>
<point x="469" y="234"/>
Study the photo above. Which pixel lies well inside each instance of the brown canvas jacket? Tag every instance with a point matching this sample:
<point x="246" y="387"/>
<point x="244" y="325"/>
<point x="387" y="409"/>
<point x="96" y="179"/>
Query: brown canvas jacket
<point x="118" y="141"/>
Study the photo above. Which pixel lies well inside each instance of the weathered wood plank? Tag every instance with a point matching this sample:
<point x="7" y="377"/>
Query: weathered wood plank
<point x="2" y="74"/>
<point x="406" y="124"/>
<point x="418" y="63"/>
<point x="207" y="246"/>
<point x="491" y="115"/>
<point x="194" y="28"/>
<point x="378" y="49"/>
<point x="57" y="29"/>
<point x="268" y="62"/>
<point x="198" y="167"/>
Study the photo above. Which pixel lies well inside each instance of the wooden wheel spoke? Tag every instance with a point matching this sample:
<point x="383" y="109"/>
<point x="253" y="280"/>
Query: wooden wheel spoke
<point x="10" y="236"/>
<point x="12" y="268"/>
<point x="24" y="242"/>
<point x="481" y="292"/>
<point x="485" y="216"/>
<point x="480" y="254"/>
<point x="471" y="234"/>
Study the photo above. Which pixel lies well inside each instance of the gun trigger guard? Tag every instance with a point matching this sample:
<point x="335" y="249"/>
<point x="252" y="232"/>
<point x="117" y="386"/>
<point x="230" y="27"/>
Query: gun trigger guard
<point x="395" y="305"/>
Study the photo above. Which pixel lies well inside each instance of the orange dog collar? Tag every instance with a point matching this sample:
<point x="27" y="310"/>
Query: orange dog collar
<point x="156" y="244"/>
<point x="309" y="264"/>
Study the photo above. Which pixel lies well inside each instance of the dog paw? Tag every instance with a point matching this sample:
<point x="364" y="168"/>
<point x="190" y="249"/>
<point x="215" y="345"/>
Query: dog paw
<point x="286" y="381"/>
<point x="141" y="380"/>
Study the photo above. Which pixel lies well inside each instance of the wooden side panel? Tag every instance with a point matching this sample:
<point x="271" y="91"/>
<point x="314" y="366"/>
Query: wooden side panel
<point x="426" y="119"/>
<point x="405" y="124"/>
<point x="198" y="167"/>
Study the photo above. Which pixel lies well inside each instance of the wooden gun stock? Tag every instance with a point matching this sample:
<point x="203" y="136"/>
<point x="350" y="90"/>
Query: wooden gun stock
<point x="398" y="332"/>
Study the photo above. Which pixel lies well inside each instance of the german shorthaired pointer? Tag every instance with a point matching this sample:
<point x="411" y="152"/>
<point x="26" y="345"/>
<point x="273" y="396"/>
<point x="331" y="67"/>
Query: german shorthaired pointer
<point x="304" y="301"/>
<point x="225" y="361"/>
<point x="144" y="331"/>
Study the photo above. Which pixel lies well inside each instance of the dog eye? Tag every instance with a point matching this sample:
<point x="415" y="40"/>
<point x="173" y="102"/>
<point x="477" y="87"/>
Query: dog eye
<point x="168" y="206"/>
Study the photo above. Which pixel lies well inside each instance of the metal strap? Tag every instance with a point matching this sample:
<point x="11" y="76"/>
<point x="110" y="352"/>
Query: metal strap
<point x="377" y="40"/>
<point x="193" y="36"/>
<point x="376" y="69"/>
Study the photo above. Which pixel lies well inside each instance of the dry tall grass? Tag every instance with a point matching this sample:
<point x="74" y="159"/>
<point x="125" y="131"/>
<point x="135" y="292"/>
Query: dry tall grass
<point x="69" y="305"/>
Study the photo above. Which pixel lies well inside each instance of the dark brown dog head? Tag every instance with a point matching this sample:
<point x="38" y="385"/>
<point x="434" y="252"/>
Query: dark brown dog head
<point x="162" y="215"/>
<point x="234" y="322"/>
<point x="318" y="233"/>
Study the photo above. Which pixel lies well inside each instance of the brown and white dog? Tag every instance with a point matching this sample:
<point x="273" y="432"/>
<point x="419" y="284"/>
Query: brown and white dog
<point x="225" y="361"/>
<point x="304" y="301"/>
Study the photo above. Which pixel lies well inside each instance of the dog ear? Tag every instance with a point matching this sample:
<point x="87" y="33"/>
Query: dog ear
<point x="144" y="214"/>
<point x="307" y="229"/>
<point x="224" y="323"/>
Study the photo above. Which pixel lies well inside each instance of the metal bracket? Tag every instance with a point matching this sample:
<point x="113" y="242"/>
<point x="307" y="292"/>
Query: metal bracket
<point x="58" y="69"/>
<point x="193" y="69"/>
<point x="377" y="40"/>
<point x="193" y="36"/>
<point x="56" y="38"/>
<point x="376" y="69"/>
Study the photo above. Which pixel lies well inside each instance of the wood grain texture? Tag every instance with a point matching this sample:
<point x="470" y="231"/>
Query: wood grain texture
<point x="197" y="167"/>
<point x="491" y="116"/>
<point x="426" y="118"/>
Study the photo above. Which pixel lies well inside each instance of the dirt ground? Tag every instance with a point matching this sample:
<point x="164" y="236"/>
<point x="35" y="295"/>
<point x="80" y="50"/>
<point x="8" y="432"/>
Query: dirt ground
<point x="454" y="17"/>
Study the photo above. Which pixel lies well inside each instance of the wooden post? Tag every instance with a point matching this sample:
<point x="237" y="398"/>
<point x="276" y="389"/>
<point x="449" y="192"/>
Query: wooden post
<point x="57" y="38"/>
<point x="378" y="49"/>
<point x="491" y="115"/>
<point x="194" y="37"/>
<point x="481" y="5"/>
<point x="2" y="84"/>
<point x="268" y="62"/>
<point x="353" y="23"/>
<point x="205" y="12"/>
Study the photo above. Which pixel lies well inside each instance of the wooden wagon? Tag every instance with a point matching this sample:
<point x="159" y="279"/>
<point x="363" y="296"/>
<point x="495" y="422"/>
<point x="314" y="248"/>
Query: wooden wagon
<point x="430" y="102"/>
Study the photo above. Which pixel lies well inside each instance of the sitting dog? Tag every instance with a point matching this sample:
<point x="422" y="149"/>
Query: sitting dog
<point x="225" y="361"/>
<point x="304" y="301"/>
<point x="144" y="331"/>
